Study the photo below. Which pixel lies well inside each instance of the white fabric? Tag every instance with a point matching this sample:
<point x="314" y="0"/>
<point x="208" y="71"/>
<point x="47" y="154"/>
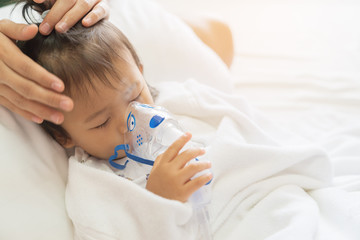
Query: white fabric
<point x="103" y="205"/>
<point x="314" y="96"/>
<point x="35" y="169"/>
<point x="33" y="178"/>
<point x="134" y="171"/>
<point x="259" y="182"/>
<point x="168" y="48"/>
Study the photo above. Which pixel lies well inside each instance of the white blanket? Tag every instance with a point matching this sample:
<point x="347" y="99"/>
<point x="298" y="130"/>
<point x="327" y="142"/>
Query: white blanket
<point x="260" y="180"/>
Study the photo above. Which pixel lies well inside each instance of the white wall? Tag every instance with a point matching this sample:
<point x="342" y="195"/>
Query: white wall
<point x="308" y="30"/>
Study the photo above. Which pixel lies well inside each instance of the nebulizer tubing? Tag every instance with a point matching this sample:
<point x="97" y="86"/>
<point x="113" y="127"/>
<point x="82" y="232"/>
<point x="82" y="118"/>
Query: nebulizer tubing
<point x="150" y="131"/>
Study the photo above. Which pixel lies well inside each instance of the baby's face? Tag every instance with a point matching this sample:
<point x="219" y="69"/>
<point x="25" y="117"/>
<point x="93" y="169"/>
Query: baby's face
<point x="97" y="123"/>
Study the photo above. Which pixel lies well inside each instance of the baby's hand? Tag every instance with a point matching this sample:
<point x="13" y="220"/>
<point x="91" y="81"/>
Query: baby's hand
<point x="171" y="177"/>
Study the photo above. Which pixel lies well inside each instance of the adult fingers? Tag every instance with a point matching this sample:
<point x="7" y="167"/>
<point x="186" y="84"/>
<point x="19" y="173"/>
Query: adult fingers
<point x="66" y="13"/>
<point x="17" y="31"/>
<point x="100" y="11"/>
<point x="75" y="14"/>
<point x="175" y="148"/>
<point x="57" y="11"/>
<point x="31" y="91"/>
<point x="30" y="110"/>
<point x="22" y="65"/>
<point x="27" y="115"/>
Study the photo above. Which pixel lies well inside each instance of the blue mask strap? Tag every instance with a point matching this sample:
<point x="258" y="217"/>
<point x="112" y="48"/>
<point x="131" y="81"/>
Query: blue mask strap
<point x="113" y="157"/>
<point x="125" y="147"/>
<point x="139" y="159"/>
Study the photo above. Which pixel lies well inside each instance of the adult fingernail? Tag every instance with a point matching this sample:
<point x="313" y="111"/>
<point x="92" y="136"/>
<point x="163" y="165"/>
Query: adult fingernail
<point x="37" y="120"/>
<point x="25" y="28"/>
<point x="87" y="21"/>
<point x="56" y="118"/>
<point x="61" y="27"/>
<point x="57" y="86"/>
<point x="66" y="104"/>
<point x="45" y="28"/>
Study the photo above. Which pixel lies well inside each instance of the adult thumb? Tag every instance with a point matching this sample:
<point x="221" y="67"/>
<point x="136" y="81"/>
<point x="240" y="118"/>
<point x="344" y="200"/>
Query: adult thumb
<point x="18" y="31"/>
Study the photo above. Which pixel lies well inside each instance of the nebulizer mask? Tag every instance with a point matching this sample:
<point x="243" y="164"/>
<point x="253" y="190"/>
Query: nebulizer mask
<point x="150" y="131"/>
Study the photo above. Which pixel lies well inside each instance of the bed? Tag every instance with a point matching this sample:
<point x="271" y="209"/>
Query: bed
<point x="296" y="65"/>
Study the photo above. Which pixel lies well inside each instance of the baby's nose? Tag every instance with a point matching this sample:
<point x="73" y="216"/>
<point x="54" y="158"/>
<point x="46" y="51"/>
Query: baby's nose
<point x="122" y="128"/>
<point x="122" y="124"/>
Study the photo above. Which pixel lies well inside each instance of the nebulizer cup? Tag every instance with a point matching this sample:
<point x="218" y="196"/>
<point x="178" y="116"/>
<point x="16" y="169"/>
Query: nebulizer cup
<point x="150" y="131"/>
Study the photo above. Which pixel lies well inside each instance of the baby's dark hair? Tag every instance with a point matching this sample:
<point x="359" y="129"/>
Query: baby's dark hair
<point x="77" y="57"/>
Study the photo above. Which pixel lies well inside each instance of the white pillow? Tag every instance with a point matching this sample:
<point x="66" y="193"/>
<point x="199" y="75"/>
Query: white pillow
<point x="34" y="168"/>
<point x="33" y="174"/>
<point x="168" y="48"/>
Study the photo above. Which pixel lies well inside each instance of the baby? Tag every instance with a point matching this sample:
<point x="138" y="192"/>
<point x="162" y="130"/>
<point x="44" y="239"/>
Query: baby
<point x="103" y="74"/>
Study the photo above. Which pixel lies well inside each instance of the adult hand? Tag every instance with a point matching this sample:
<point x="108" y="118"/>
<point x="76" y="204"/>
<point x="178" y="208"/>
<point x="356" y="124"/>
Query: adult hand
<point x="171" y="174"/>
<point x="65" y="13"/>
<point x="25" y="87"/>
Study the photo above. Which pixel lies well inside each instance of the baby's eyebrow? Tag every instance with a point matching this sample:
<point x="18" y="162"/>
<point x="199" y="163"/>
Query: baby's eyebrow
<point x="95" y="114"/>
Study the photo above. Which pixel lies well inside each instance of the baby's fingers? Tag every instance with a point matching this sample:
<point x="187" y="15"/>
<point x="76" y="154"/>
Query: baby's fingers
<point x="195" y="184"/>
<point x="183" y="158"/>
<point x="174" y="149"/>
<point x="193" y="168"/>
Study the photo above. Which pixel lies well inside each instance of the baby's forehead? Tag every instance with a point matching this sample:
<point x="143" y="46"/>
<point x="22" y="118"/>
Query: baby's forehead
<point x="103" y="74"/>
<point x="100" y="89"/>
<point x="128" y="89"/>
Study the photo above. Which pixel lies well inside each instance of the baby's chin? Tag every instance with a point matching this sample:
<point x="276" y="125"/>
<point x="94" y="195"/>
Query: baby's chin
<point x="120" y="154"/>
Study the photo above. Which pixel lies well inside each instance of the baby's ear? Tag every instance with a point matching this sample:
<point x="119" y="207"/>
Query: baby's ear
<point x="141" y="68"/>
<point x="60" y="135"/>
<point x="63" y="140"/>
<point x="68" y="143"/>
